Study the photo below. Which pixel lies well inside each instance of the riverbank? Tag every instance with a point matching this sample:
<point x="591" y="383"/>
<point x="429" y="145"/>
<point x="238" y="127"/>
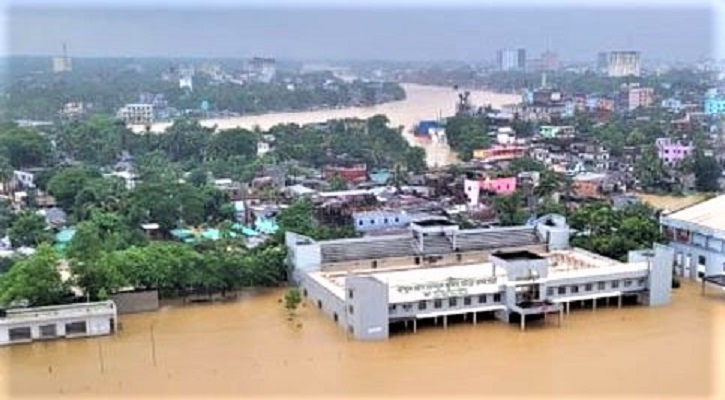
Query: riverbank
<point x="421" y="103"/>
<point x="250" y="349"/>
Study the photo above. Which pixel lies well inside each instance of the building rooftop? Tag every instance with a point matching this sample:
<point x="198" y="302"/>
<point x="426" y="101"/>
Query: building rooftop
<point x="58" y="312"/>
<point x="406" y="245"/>
<point x="708" y="214"/>
<point x="415" y="283"/>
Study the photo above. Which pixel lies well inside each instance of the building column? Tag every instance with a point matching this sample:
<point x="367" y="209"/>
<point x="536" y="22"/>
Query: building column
<point x="594" y="304"/>
<point x="474" y="319"/>
<point x="568" y="307"/>
<point x="561" y="316"/>
<point x="619" y="301"/>
<point x="445" y="321"/>
<point x="523" y="322"/>
<point x="415" y="325"/>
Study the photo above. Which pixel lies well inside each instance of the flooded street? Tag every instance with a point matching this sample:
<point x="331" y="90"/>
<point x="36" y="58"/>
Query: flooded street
<point x="421" y="102"/>
<point x="250" y="349"/>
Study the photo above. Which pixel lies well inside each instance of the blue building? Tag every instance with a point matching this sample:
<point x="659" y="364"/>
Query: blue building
<point x="714" y="103"/>
<point x="697" y="235"/>
<point x="367" y="221"/>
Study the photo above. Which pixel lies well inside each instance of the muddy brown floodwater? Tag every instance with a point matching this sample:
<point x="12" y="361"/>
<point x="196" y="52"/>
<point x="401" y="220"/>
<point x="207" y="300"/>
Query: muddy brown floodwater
<point x="250" y="349"/>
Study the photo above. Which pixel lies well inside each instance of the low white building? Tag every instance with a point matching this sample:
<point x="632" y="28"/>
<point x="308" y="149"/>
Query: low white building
<point x="53" y="322"/>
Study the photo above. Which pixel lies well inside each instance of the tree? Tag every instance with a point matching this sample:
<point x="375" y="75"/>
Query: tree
<point x="707" y="173"/>
<point x="6" y="217"/>
<point x="292" y="300"/>
<point x="337" y="183"/>
<point x="508" y="209"/>
<point x="29" y="229"/>
<point x="24" y="148"/>
<point x="35" y="279"/>
<point x="67" y="183"/>
<point x="466" y="134"/>
<point x="651" y="172"/>
<point x="614" y="233"/>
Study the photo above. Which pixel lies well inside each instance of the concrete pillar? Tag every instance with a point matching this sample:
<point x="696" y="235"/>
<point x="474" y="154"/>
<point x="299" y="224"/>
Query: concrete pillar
<point x="406" y="324"/>
<point x="415" y="326"/>
<point x="619" y="301"/>
<point x="445" y="321"/>
<point x="568" y="307"/>
<point x="561" y="316"/>
<point x="523" y="322"/>
<point x="474" y="319"/>
<point x="594" y="304"/>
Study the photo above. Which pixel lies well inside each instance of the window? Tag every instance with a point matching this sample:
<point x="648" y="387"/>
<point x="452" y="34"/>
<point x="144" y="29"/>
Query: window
<point x="416" y="260"/>
<point x="360" y="222"/>
<point x="452" y="302"/>
<point x="407" y="307"/>
<point x="550" y="291"/>
<point x="627" y="282"/>
<point x="350" y="309"/>
<point x="48" y="331"/>
<point x="601" y="285"/>
<point x="562" y="290"/>
<point x="385" y="221"/>
<point x="350" y="294"/>
<point x="496" y="297"/>
<point x="397" y="220"/>
<point x="422" y="305"/>
<point x="615" y="284"/>
<point x="76" y="328"/>
<point x="640" y="282"/>
<point x="482" y="299"/>
<point x="20" y="333"/>
<point x="701" y="260"/>
<point x="466" y="301"/>
<point x="437" y="303"/>
<point x="372" y="222"/>
<point x="575" y="289"/>
<point x="588" y="287"/>
<point x="391" y="308"/>
<point x="375" y="264"/>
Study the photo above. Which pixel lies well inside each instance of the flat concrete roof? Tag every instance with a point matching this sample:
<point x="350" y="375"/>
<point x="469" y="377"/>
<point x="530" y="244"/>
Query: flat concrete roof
<point x="66" y="311"/>
<point x="709" y="214"/>
<point x="414" y="283"/>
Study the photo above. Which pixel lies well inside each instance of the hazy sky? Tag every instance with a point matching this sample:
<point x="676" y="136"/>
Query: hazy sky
<point x="469" y="30"/>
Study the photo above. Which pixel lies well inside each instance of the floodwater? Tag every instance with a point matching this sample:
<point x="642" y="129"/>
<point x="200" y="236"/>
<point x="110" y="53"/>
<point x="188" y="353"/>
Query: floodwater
<point x="421" y="102"/>
<point x="249" y="349"/>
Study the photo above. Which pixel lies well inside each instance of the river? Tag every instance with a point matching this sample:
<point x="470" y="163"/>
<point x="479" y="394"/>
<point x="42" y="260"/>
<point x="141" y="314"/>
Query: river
<point x="249" y="349"/>
<point x="421" y="102"/>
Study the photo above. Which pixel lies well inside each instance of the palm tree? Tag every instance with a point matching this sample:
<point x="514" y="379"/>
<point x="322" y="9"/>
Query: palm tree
<point x="6" y="172"/>
<point x="399" y="176"/>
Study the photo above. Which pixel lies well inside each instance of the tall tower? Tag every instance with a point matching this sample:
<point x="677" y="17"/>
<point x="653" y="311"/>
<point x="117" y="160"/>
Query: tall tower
<point x="62" y="63"/>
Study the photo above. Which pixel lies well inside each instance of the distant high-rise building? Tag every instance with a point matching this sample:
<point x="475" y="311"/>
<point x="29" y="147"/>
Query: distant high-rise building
<point x="263" y="69"/>
<point x="549" y="61"/>
<point x="62" y="63"/>
<point x="511" y="59"/>
<point x="619" y="63"/>
<point x="521" y="59"/>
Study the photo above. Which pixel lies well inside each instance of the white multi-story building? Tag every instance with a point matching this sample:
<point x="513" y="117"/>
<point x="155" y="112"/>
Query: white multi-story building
<point x="137" y="114"/>
<point x="620" y="63"/>
<point x="440" y="273"/>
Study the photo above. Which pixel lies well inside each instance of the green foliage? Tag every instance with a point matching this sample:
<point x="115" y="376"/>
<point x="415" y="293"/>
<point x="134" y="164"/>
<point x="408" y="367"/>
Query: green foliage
<point x="66" y="184"/>
<point x="6" y="217"/>
<point x="24" y="147"/>
<point x="707" y="173"/>
<point x="292" y="299"/>
<point x="35" y="278"/>
<point x="613" y="233"/>
<point x="96" y="141"/>
<point x="29" y="229"/>
<point x="337" y="183"/>
<point x="466" y="134"/>
<point x="509" y="209"/>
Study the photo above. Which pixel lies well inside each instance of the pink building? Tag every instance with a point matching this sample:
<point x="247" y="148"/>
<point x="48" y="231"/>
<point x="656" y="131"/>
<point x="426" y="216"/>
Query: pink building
<point x="672" y="152"/>
<point x="501" y="186"/>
